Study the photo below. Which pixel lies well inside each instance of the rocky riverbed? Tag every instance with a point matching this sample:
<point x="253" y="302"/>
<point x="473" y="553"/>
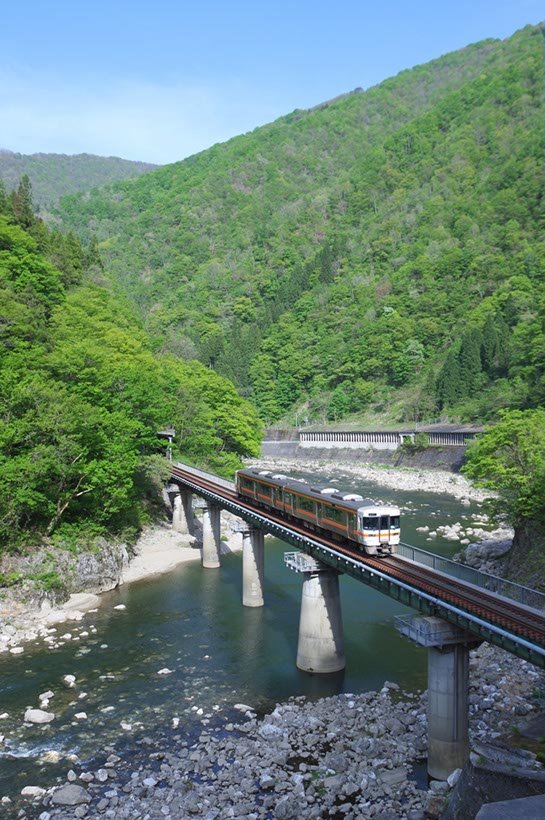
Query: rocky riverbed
<point x="434" y="481"/>
<point x="348" y="756"/>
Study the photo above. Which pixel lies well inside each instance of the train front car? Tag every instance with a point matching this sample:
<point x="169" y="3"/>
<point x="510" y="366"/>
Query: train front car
<point x="379" y="529"/>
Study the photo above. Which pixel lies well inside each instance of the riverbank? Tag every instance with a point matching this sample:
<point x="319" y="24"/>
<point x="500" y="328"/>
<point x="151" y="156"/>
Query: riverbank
<point x="433" y="481"/>
<point x="158" y="550"/>
<point x="352" y="756"/>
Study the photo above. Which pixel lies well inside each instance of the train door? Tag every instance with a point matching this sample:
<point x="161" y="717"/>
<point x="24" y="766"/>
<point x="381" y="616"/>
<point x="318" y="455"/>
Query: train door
<point x="384" y="529"/>
<point x="288" y="503"/>
<point x="319" y="514"/>
<point x="351" y="521"/>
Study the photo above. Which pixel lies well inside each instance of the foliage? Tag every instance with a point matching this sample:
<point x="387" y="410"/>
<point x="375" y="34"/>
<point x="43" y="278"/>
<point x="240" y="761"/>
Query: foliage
<point x="55" y="175"/>
<point x="391" y="238"/>
<point x="509" y="458"/>
<point x="417" y="444"/>
<point x="82" y="396"/>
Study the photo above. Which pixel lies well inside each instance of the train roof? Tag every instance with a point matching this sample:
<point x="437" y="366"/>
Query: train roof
<point x="352" y="501"/>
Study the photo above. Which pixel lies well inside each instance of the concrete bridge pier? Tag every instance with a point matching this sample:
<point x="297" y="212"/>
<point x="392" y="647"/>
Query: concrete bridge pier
<point x="320" y="647"/>
<point x="182" y="516"/>
<point x="211" y="536"/>
<point x="448" y="690"/>
<point x="253" y="566"/>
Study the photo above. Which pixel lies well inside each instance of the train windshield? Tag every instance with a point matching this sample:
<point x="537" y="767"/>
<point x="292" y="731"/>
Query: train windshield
<point x="394" y="522"/>
<point x="371" y="523"/>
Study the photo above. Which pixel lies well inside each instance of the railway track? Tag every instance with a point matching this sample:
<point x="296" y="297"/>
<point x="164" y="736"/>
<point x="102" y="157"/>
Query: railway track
<point x="502" y="612"/>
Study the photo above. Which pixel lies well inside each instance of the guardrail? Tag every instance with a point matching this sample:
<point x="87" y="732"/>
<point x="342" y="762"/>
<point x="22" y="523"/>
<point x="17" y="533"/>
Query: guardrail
<point x="376" y="579"/>
<point x="223" y="482"/>
<point x="491" y="583"/>
<point x="382" y="440"/>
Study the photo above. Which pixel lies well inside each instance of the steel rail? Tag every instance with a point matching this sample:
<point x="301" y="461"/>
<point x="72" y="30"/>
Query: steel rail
<point x="340" y="558"/>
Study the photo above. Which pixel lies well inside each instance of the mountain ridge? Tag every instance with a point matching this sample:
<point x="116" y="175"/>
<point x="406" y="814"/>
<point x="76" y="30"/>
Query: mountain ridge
<point x="55" y="175"/>
<point x="257" y="253"/>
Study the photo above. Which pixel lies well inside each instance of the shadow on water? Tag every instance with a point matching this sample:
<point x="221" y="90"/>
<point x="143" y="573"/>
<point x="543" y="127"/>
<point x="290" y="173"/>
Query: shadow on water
<point x="217" y="653"/>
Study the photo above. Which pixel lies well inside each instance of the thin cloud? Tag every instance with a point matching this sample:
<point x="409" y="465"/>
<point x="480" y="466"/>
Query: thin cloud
<point x="130" y="119"/>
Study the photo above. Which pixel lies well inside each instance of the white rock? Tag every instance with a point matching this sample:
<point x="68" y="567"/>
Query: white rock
<point x="127" y="727"/>
<point x="17" y="650"/>
<point x="46" y="695"/>
<point x="66" y="637"/>
<point x="69" y="680"/>
<point x="51" y="756"/>
<point x="165" y="671"/>
<point x="453" y="778"/>
<point x="120" y="606"/>
<point x="80" y="716"/>
<point x="38" y="716"/>
<point x="32" y="791"/>
<point x="4" y="715"/>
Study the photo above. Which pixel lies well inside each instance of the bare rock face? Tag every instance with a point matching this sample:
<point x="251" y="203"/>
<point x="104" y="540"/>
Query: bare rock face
<point x="38" y="716"/>
<point x="494" y="772"/>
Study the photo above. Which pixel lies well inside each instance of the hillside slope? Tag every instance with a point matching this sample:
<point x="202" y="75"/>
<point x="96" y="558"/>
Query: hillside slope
<point x="385" y="246"/>
<point x="55" y="175"/>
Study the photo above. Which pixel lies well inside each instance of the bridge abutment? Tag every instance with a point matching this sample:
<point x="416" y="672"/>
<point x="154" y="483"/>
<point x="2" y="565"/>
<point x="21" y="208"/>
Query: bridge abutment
<point x="448" y="690"/>
<point x="182" y="516"/>
<point x="211" y="536"/>
<point x="253" y="566"/>
<point x="320" y="647"/>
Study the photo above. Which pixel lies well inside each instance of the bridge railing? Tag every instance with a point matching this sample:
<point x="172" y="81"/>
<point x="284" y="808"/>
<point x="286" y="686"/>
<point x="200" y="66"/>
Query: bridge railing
<point x="492" y="583"/>
<point x="224" y="482"/>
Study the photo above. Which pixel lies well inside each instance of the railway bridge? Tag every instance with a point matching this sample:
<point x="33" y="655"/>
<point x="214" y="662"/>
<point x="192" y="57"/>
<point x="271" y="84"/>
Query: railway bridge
<point x="458" y="607"/>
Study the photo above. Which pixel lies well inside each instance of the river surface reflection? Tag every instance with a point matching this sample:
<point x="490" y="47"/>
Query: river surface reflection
<point x="218" y="654"/>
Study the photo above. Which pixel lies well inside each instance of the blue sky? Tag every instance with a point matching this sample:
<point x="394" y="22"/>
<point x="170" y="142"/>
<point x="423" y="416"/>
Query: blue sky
<point x="160" y="81"/>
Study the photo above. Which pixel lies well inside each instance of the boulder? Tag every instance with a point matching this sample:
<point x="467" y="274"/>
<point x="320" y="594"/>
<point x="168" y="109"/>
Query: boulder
<point x="38" y="716"/>
<point x="70" y="795"/>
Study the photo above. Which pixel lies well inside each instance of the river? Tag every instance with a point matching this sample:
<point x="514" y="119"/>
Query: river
<point x="217" y="653"/>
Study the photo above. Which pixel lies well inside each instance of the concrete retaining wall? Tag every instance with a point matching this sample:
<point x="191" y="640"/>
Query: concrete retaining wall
<point x="432" y="458"/>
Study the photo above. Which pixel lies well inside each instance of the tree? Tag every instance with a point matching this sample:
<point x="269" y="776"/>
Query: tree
<point x="509" y="458"/>
<point x="23" y="206"/>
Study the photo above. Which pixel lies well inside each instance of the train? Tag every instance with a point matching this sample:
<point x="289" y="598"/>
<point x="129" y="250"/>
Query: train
<point x="374" y="528"/>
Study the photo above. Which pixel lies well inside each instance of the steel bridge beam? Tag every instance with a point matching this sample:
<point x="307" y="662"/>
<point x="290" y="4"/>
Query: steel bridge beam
<point x="405" y="594"/>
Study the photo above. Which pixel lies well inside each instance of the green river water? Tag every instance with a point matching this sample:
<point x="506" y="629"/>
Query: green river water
<point x="221" y="654"/>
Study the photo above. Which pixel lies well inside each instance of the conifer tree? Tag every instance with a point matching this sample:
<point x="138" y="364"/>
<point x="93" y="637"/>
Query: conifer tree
<point x="490" y="345"/>
<point x="23" y="206"/>
<point x="449" y="383"/>
<point x="470" y="361"/>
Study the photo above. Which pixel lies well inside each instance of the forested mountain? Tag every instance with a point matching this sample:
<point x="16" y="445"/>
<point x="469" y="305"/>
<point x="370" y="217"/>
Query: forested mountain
<point x="82" y="395"/>
<point x="384" y="250"/>
<point x="55" y="175"/>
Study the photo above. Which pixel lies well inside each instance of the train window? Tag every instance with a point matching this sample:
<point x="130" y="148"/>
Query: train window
<point x="394" y="522"/>
<point x="334" y="514"/>
<point x="246" y="483"/>
<point x="370" y="523"/>
<point x="306" y="504"/>
<point x="288" y="499"/>
<point x="384" y="522"/>
<point x="264" y="489"/>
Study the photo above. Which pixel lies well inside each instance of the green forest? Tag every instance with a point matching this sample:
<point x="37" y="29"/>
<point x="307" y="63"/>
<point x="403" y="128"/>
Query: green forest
<point x="55" y="175"/>
<point x="376" y="259"/>
<point x="83" y="394"/>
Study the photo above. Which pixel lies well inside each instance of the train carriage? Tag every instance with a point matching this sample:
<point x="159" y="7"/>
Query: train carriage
<point x="374" y="527"/>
